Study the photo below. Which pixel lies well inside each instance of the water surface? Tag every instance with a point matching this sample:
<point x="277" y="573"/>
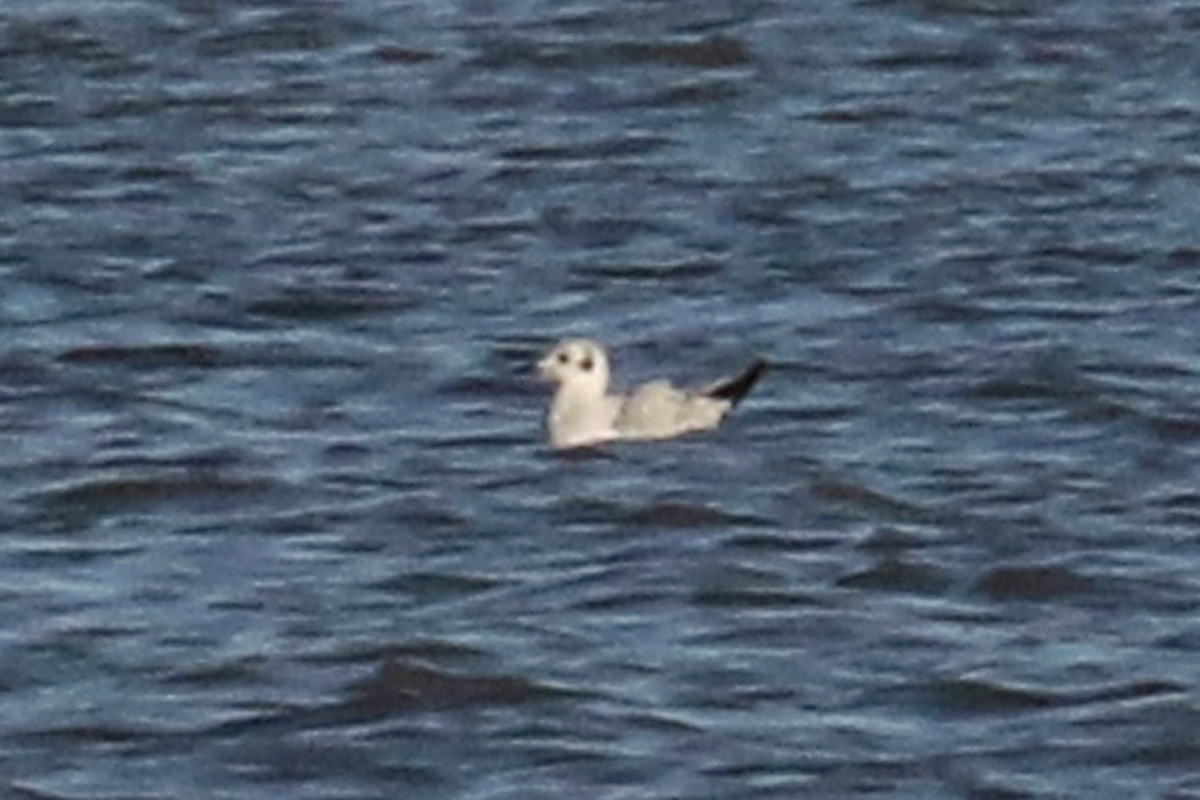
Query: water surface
<point x="276" y="517"/>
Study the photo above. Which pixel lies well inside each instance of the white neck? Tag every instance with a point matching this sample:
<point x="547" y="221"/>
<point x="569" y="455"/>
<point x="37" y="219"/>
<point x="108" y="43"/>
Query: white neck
<point x="580" y="413"/>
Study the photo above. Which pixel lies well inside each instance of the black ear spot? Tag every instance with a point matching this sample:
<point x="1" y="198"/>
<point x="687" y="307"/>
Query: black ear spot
<point x="587" y="364"/>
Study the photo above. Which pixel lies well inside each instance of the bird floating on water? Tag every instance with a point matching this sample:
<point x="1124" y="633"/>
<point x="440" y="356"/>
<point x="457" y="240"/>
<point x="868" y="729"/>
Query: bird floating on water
<point x="583" y="413"/>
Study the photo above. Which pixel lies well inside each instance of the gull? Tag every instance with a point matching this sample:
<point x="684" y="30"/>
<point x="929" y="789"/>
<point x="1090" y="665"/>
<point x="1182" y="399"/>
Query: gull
<point x="583" y="413"/>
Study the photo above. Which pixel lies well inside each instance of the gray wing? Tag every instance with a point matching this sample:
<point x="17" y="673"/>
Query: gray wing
<point x="658" y="410"/>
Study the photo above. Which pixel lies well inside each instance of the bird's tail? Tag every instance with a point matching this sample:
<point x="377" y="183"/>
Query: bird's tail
<point x="738" y="387"/>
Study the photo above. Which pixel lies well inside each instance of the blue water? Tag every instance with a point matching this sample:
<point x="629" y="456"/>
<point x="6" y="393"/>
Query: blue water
<point x="277" y="519"/>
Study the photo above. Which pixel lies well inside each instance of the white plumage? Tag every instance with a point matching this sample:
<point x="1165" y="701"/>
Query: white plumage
<point x="583" y="413"/>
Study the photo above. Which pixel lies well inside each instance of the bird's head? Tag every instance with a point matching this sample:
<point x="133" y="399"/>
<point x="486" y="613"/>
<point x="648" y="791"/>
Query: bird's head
<point x="576" y="365"/>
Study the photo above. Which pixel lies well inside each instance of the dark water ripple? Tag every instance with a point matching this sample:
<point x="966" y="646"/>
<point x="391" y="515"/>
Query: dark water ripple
<point x="276" y="517"/>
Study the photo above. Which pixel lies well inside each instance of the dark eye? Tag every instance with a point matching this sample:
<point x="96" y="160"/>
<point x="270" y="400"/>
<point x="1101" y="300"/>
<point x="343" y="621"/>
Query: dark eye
<point x="563" y="358"/>
<point x="586" y="364"/>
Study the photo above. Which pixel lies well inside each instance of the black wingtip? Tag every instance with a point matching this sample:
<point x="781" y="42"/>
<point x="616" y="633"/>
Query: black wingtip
<point x="735" y="389"/>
